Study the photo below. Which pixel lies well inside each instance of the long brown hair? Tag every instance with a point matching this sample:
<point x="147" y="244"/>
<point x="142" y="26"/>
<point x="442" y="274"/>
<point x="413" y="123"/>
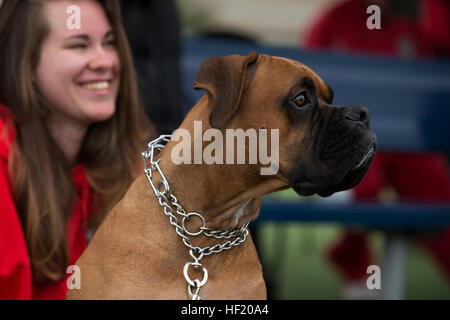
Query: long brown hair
<point x="42" y="183"/>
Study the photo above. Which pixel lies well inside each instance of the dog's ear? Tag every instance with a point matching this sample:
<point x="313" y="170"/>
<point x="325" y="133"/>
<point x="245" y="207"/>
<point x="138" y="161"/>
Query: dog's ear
<point x="223" y="79"/>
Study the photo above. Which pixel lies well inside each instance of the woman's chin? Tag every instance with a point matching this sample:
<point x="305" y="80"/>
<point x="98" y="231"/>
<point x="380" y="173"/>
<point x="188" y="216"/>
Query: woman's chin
<point x="100" y="112"/>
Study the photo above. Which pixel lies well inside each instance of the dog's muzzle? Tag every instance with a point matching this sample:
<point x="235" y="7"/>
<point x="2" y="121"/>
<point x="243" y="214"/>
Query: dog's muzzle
<point x="341" y="155"/>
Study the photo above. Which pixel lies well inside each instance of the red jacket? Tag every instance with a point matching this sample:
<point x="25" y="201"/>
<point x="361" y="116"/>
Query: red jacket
<point x="343" y="28"/>
<point x="15" y="270"/>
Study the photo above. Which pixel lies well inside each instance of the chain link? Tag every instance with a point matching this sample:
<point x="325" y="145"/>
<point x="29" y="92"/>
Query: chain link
<point x="168" y="201"/>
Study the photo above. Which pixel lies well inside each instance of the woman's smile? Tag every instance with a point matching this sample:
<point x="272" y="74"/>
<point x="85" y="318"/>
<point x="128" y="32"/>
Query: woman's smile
<point x="99" y="88"/>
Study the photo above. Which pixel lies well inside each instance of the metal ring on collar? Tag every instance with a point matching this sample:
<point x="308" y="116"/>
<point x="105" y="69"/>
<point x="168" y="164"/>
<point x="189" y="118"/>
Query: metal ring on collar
<point x="191" y="252"/>
<point x="189" y="280"/>
<point x="164" y="184"/>
<point x="200" y="230"/>
<point x="194" y="296"/>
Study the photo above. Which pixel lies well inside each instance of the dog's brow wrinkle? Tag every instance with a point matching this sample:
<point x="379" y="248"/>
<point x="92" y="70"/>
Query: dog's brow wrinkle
<point x="308" y="83"/>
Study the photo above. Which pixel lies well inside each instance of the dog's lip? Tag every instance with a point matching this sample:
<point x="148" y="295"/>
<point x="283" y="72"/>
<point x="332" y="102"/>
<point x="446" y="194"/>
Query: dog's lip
<point x="366" y="158"/>
<point x="307" y="188"/>
<point x="350" y="180"/>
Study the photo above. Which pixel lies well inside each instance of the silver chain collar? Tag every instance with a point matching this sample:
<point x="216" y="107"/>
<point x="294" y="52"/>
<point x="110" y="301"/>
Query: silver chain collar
<point x="164" y="195"/>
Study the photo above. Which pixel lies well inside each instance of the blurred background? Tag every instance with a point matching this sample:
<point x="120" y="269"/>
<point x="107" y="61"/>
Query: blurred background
<point x="283" y="23"/>
<point x="399" y="216"/>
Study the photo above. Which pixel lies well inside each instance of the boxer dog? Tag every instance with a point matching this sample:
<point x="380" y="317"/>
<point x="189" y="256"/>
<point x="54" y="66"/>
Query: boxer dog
<point x="136" y="253"/>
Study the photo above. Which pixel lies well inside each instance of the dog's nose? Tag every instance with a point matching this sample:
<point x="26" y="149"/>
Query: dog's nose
<point x="357" y="113"/>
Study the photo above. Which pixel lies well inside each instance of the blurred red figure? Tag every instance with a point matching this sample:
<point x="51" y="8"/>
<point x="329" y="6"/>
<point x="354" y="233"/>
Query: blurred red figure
<point x="409" y="29"/>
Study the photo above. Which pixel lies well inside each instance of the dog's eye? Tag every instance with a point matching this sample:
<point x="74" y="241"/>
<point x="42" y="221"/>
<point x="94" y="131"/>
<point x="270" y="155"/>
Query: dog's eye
<point x="300" y="100"/>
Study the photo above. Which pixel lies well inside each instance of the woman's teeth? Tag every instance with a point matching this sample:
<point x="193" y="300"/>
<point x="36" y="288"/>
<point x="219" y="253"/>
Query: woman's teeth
<point x="97" y="85"/>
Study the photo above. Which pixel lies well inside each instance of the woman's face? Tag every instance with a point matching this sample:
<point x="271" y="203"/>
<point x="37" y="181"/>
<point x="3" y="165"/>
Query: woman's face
<point x="79" y="70"/>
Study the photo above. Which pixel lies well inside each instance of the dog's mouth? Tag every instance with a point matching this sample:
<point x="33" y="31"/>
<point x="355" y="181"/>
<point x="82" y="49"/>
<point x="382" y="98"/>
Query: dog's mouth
<point x="352" y="178"/>
<point x="324" y="187"/>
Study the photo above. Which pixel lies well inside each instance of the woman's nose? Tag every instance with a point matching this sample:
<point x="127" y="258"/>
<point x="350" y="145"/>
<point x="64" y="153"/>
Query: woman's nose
<point x="102" y="59"/>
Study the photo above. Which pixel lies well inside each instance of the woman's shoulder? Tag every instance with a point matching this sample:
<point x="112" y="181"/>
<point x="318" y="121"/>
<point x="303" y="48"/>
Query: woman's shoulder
<point x="7" y="131"/>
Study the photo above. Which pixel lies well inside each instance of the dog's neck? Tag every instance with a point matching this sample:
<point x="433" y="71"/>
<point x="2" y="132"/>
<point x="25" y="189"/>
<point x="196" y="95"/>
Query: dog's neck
<point x="222" y="211"/>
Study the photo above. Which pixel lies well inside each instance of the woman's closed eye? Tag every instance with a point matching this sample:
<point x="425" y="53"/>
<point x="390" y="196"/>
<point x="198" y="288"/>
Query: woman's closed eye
<point x="110" y="43"/>
<point x="77" y="45"/>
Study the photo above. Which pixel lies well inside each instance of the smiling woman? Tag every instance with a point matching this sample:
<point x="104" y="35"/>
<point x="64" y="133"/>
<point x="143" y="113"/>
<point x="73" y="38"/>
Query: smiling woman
<point x="78" y="72"/>
<point x="71" y="130"/>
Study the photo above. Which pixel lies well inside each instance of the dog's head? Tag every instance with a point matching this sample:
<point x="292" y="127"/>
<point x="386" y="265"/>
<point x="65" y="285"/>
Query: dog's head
<point x="322" y="148"/>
